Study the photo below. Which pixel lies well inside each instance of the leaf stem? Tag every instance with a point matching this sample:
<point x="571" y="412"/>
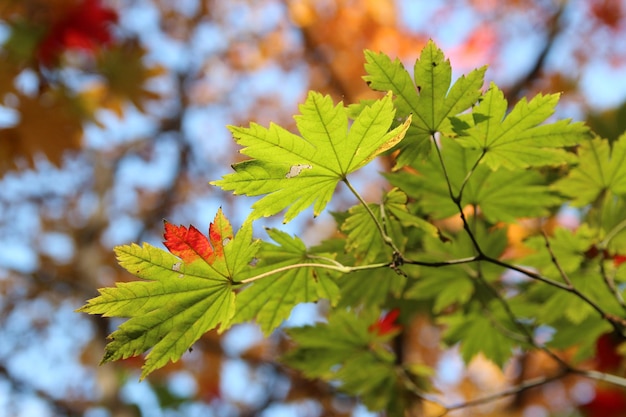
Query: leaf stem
<point x="612" y="233"/>
<point x="610" y="283"/>
<point x="388" y="241"/>
<point x="436" y="264"/>
<point x="456" y="199"/>
<point x="335" y="267"/>
<point x="469" y="174"/>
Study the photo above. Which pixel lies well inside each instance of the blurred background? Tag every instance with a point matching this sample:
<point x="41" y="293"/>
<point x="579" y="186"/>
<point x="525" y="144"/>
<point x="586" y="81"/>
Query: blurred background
<point x="113" y="117"/>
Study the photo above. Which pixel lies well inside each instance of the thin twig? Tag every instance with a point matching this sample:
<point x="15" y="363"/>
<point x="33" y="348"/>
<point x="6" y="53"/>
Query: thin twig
<point x="610" y="283"/>
<point x="554" y="260"/>
<point x="601" y="376"/>
<point x="531" y="383"/>
<point x="618" y="323"/>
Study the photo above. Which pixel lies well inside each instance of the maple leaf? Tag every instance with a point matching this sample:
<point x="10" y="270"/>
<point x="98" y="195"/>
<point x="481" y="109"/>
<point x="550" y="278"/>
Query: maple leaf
<point x="299" y="171"/>
<point x="386" y="324"/>
<point x="270" y="300"/>
<point x="363" y="238"/>
<point x="126" y="74"/>
<point x="457" y="284"/>
<point x="501" y="195"/>
<point x="344" y="350"/>
<point x="430" y="99"/>
<point x="518" y="140"/>
<point x="49" y="124"/>
<point x="600" y="169"/>
<point x="85" y="27"/>
<point x="567" y="246"/>
<point x="185" y="293"/>
<point x="583" y="335"/>
<point x="480" y="332"/>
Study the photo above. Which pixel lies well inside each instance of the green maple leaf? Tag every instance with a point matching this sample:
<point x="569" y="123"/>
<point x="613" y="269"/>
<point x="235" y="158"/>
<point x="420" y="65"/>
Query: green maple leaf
<point x="371" y="288"/>
<point x="445" y="287"/>
<point x="347" y="350"/>
<point x="501" y="196"/>
<point x="599" y="169"/>
<point x="560" y="305"/>
<point x="519" y="140"/>
<point x="457" y="284"/>
<point x="481" y="332"/>
<point x="582" y="335"/>
<point x="270" y="300"/>
<point x="430" y="99"/>
<point x="567" y="246"/>
<point x="612" y="223"/>
<point x="363" y="237"/>
<point x="298" y="171"/>
<point x="185" y="293"/>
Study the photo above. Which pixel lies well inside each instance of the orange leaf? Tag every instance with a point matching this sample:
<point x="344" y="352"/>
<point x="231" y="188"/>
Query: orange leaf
<point x="49" y="124"/>
<point x="188" y="244"/>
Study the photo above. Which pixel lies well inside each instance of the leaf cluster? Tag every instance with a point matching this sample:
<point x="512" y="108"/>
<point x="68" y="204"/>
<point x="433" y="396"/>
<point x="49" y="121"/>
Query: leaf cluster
<point x="463" y="157"/>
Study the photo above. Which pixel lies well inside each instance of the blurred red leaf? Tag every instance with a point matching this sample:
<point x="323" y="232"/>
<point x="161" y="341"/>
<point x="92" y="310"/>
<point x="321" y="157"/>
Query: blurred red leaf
<point x="386" y="324"/>
<point x="609" y="12"/>
<point x="50" y="124"/>
<point x="86" y="27"/>
<point x="607" y="357"/>
<point x="608" y="402"/>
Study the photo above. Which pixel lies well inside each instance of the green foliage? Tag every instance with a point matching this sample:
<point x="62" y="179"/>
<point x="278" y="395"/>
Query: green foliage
<point x="297" y="172"/>
<point x="516" y="140"/>
<point x="269" y="301"/>
<point x="430" y="99"/>
<point x="438" y="244"/>
<point x="183" y="296"/>
<point x="599" y="169"/>
<point x="347" y="351"/>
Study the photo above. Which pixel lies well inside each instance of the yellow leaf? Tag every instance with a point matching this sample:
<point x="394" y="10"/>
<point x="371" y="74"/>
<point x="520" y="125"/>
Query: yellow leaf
<point x="49" y="124"/>
<point x="126" y="74"/>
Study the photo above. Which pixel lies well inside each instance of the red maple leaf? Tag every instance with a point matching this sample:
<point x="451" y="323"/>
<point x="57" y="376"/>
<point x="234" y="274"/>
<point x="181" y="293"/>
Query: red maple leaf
<point x="386" y="324"/>
<point x="189" y="244"/>
<point x="608" y="402"/>
<point x="85" y="27"/>
<point x="607" y="357"/>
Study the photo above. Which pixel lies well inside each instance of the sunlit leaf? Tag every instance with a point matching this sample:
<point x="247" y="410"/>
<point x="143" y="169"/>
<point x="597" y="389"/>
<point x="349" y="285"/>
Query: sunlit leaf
<point x="269" y="301"/>
<point x="519" y="140"/>
<point x="501" y="196"/>
<point x="600" y="168"/>
<point x="430" y="99"/>
<point x="300" y="171"/>
<point x="186" y="293"/>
